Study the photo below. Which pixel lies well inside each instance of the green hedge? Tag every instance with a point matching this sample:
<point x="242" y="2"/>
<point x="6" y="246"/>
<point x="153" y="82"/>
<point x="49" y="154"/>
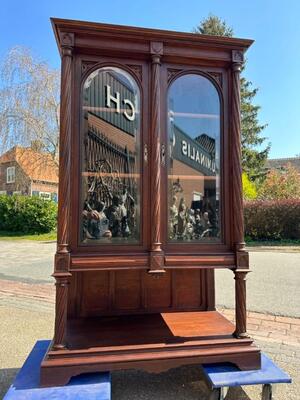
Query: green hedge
<point x="272" y="220"/>
<point x="25" y="214"/>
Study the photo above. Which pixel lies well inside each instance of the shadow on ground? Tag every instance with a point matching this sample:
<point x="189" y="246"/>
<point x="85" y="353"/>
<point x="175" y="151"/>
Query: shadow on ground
<point x="7" y="376"/>
<point x="184" y="383"/>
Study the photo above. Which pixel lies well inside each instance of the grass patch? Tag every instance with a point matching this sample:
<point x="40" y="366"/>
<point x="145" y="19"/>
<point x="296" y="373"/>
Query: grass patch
<point x="5" y="235"/>
<point x="279" y="243"/>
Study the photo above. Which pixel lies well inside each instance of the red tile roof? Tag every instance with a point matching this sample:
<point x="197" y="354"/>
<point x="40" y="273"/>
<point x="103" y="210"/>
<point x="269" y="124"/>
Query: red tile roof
<point x="37" y="166"/>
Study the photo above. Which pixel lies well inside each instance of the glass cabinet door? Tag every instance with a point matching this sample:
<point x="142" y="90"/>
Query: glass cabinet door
<point x="194" y="160"/>
<point x="110" y="154"/>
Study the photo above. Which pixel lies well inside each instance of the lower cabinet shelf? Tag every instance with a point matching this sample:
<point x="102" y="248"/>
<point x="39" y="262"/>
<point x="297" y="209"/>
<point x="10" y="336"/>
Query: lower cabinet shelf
<point x="155" y="342"/>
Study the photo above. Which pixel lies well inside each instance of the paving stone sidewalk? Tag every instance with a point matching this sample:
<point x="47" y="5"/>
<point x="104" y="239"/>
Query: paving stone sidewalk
<point x="270" y="328"/>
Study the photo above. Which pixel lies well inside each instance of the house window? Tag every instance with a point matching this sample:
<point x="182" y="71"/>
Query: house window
<point x="10" y="175"/>
<point x="45" y="195"/>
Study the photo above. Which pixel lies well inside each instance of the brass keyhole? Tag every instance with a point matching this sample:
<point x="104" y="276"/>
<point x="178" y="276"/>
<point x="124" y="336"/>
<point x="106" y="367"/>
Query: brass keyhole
<point x="163" y="155"/>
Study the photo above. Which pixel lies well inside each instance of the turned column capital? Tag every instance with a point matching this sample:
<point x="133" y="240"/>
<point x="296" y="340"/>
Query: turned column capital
<point x="241" y="274"/>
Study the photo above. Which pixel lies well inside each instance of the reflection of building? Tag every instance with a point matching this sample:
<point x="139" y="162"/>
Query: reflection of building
<point x="110" y="136"/>
<point x="193" y="162"/>
<point x="111" y="98"/>
<point x="26" y="171"/>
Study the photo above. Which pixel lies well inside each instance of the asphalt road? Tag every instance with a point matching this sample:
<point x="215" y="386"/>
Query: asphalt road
<point x="273" y="286"/>
<point x="27" y="261"/>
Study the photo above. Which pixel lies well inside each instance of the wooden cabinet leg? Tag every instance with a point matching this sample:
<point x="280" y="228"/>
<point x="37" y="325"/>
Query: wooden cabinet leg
<point x="240" y="303"/>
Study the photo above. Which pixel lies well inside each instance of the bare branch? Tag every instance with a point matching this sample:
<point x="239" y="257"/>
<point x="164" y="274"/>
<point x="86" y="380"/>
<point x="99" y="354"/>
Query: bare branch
<point x="29" y="101"/>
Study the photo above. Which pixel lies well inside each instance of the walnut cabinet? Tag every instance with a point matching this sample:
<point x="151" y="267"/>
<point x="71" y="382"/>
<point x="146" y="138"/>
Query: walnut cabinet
<point x="150" y="201"/>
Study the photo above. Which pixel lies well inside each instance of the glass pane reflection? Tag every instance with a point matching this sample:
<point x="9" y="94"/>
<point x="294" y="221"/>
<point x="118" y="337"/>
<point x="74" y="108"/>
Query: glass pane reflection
<point x="194" y="160"/>
<point x="110" y="189"/>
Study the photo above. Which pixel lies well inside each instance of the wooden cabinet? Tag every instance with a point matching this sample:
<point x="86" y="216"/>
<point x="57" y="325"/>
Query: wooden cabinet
<point x="150" y="201"/>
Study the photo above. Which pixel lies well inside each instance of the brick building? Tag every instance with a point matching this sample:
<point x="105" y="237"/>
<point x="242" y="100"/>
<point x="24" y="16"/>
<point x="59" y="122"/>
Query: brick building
<point x="282" y="163"/>
<point x="24" y="170"/>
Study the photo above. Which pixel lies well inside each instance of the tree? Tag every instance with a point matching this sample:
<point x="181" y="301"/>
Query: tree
<point x="253" y="157"/>
<point x="249" y="189"/>
<point x="213" y="25"/>
<point x="280" y="185"/>
<point x="29" y="102"/>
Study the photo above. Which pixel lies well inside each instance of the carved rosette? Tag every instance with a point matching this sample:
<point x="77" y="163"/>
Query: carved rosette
<point x="156" y="253"/>
<point x="240" y="306"/>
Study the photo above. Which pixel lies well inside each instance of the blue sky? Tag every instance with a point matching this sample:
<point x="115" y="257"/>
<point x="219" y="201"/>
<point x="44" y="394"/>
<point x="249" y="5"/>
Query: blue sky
<point x="273" y="61"/>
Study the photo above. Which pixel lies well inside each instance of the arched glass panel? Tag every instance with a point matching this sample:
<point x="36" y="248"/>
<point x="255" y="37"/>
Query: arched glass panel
<point x="110" y="188"/>
<point x="194" y="160"/>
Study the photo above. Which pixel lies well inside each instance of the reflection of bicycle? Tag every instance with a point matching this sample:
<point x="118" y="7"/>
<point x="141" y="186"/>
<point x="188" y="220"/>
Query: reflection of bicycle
<point x="206" y="233"/>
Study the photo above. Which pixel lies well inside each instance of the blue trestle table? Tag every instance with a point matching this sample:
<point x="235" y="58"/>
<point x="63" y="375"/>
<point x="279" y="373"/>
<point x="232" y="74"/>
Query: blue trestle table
<point x="220" y="376"/>
<point x="96" y="386"/>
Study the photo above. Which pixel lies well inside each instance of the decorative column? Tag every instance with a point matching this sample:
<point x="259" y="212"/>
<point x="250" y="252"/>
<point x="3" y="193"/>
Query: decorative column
<point x="238" y="215"/>
<point x="240" y="303"/>
<point x="242" y="257"/>
<point x="62" y="257"/>
<point x="156" y="252"/>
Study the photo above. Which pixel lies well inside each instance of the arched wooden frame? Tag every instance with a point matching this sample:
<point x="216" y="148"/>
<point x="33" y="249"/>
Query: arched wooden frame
<point x="92" y="66"/>
<point x="135" y="84"/>
<point x="225" y="237"/>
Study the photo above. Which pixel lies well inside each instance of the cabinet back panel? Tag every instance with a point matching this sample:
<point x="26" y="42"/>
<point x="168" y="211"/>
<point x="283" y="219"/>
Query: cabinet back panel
<point x="132" y="291"/>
